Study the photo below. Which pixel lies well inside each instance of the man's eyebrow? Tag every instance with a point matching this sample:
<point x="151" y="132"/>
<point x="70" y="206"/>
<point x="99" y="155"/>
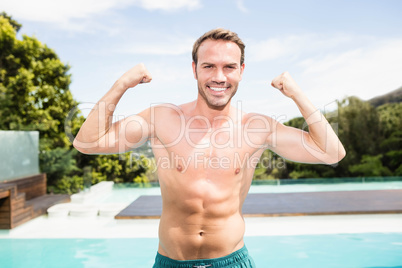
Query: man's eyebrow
<point x="207" y="63"/>
<point x="213" y="64"/>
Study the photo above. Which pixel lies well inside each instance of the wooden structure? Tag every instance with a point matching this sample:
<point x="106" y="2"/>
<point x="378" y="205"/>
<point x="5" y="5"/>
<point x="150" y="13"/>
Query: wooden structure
<point x="24" y="199"/>
<point x="290" y="204"/>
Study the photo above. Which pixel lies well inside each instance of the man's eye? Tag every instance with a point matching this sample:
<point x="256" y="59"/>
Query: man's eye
<point x="207" y="67"/>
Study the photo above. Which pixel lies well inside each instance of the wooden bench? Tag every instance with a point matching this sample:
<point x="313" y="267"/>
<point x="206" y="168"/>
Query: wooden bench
<point x="24" y="199"/>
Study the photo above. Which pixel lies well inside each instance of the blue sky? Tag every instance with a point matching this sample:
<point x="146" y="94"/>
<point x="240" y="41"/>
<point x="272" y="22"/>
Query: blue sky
<point x="332" y="49"/>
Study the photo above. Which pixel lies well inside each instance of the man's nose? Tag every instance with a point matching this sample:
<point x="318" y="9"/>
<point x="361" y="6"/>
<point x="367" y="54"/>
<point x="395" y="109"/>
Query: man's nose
<point x="219" y="76"/>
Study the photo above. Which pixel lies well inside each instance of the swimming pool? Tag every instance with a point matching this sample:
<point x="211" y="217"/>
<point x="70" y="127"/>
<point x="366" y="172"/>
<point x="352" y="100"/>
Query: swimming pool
<point x="367" y="250"/>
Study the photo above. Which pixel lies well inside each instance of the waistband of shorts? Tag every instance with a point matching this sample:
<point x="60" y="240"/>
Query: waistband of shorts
<point x="233" y="258"/>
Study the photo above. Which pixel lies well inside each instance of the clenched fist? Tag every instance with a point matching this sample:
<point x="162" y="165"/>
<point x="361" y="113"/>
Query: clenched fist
<point x="286" y="85"/>
<point x="136" y="75"/>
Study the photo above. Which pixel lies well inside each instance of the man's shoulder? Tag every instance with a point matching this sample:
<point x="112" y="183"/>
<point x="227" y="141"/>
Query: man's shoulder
<point x="168" y="112"/>
<point x="166" y="108"/>
<point x="248" y="117"/>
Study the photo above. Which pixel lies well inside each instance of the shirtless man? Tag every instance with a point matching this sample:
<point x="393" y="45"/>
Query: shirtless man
<point x="207" y="151"/>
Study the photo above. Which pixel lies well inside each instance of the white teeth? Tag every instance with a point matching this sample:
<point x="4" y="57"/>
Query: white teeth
<point x="218" y="88"/>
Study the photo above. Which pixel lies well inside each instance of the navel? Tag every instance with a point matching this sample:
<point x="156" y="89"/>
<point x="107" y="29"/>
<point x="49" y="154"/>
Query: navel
<point x="179" y="168"/>
<point x="201" y="233"/>
<point x="237" y="171"/>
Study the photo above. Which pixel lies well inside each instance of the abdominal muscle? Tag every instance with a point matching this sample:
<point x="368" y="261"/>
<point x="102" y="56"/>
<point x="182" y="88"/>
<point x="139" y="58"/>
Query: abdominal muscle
<point x="202" y="220"/>
<point x="201" y="237"/>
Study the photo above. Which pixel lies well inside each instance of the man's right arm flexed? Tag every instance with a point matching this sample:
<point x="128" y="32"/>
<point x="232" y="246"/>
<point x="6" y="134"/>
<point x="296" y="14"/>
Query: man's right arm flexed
<point x="99" y="135"/>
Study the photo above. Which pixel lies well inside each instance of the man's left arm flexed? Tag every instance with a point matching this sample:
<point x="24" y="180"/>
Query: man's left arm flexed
<point x="320" y="145"/>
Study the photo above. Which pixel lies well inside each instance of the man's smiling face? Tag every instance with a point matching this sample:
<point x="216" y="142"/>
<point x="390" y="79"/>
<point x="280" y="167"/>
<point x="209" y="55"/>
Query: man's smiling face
<point x="218" y="72"/>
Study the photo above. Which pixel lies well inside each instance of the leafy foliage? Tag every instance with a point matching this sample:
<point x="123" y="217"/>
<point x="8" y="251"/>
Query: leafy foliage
<point x="270" y="166"/>
<point x="371" y="136"/>
<point x="370" y="166"/>
<point x="35" y="95"/>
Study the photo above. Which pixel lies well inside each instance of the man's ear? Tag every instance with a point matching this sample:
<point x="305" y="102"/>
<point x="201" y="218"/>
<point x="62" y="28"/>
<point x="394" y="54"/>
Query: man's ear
<point x="195" y="70"/>
<point x="242" y="70"/>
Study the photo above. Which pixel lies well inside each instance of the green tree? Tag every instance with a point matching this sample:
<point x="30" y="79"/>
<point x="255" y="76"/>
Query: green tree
<point x="270" y="166"/>
<point x="123" y="168"/>
<point x="296" y="170"/>
<point x="359" y="126"/>
<point x="390" y="116"/>
<point x="391" y="144"/>
<point x="34" y="95"/>
<point x="358" y="130"/>
<point x="372" y="138"/>
<point x="370" y="166"/>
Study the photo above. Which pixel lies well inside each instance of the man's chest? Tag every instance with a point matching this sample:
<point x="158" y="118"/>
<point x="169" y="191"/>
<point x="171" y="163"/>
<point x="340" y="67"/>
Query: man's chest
<point x="213" y="153"/>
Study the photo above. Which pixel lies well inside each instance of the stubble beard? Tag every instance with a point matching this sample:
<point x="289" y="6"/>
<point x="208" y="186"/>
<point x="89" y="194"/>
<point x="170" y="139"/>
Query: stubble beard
<point x="219" y="104"/>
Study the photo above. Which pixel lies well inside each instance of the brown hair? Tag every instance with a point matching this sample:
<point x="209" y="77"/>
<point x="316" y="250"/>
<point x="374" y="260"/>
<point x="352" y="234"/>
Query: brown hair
<point x="219" y="34"/>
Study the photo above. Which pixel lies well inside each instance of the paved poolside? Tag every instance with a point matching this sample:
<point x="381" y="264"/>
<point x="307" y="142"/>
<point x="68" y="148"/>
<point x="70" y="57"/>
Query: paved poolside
<point x="44" y="227"/>
<point x="108" y="227"/>
<point x="290" y="204"/>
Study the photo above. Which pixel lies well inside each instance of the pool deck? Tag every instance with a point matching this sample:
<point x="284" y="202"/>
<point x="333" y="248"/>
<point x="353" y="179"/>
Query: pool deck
<point x="350" y="212"/>
<point x="102" y="227"/>
<point x="291" y="204"/>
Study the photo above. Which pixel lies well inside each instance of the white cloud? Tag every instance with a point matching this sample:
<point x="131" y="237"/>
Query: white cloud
<point x="240" y="6"/>
<point x="267" y="50"/>
<point x="334" y="66"/>
<point x="169" y="5"/>
<point x="329" y="68"/>
<point x="57" y="11"/>
<point x="171" y="45"/>
<point x="365" y="72"/>
<point x="295" y="46"/>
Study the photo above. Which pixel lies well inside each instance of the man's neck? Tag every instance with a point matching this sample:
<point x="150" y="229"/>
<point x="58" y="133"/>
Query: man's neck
<point x="202" y="109"/>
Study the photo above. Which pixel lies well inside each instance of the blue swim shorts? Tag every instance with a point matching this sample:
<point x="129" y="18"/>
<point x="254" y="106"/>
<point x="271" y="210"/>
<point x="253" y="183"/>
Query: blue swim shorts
<point x="237" y="259"/>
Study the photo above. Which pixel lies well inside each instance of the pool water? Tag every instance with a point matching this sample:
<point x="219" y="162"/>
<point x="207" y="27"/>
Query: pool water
<point x="328" y="251"/>
<point x="364" y="250"/>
